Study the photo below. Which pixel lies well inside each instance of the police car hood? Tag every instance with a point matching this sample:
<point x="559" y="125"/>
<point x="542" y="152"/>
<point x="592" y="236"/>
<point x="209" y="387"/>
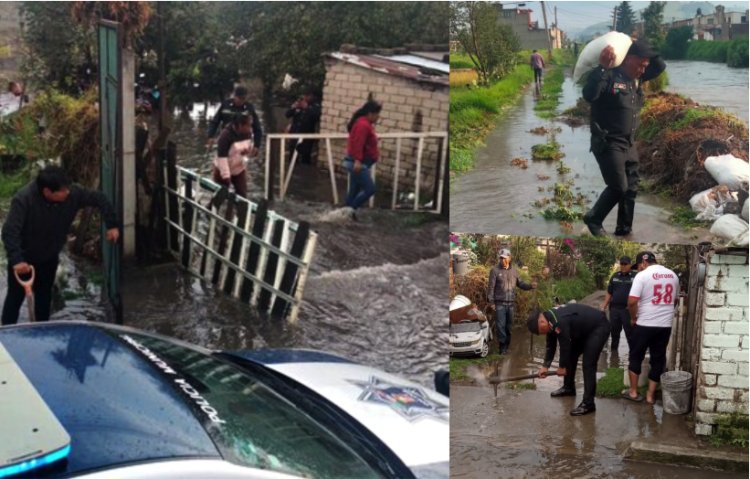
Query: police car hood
<point x="410" y="419"/>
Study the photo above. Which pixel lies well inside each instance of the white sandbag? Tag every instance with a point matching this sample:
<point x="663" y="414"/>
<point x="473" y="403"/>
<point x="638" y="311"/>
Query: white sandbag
<point x="728" y="170"/>
<point x="742" y="240"/>
<point x="744" y="211"/>
<point x="729" y="227"/>
<point x="589" y="57"/>
<point x="709" y="204"/>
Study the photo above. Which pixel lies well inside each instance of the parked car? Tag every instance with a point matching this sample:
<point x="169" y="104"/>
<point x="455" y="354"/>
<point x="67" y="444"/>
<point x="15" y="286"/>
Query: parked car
<point x="141" y="405"/>
<point x="470" y="332"/>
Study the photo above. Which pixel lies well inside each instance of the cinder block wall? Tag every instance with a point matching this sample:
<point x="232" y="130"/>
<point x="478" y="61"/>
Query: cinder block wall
<point x="407" y="106"/>
<point x="723" y="378"/>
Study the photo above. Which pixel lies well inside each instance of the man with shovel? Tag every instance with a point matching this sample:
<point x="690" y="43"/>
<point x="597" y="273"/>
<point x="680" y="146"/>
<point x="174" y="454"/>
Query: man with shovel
<point x="35" y="232"/>
<point x="580" y="330"/>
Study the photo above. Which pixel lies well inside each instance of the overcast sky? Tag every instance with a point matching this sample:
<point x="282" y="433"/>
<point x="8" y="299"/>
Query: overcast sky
<point x="576" y="15"/>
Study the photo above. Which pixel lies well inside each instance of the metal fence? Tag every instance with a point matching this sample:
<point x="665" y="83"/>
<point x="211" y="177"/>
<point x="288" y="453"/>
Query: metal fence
<point x="277" y="162"/>
<point x="242" y="247"/>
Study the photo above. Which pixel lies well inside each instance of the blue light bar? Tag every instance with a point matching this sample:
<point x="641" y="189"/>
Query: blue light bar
<point x="35" y="463"/>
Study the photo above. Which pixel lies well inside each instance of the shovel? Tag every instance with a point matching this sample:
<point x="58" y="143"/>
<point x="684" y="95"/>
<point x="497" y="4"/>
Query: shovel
<point x="494" y="380"/>
<point x="27" y="285"/>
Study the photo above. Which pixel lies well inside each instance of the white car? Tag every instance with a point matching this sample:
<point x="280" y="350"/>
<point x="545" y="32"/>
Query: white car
<point x="470" y="332"/>
<point x="99" y="401"/>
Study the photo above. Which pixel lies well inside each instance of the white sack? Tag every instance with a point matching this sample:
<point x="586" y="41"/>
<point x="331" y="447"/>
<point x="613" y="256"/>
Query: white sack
<point x="744" y="211"/>
<point x="709" y="204"/>
<point x="589" y="57"/>
<point x="729" y="227"/>
<point x="728" y="170"/>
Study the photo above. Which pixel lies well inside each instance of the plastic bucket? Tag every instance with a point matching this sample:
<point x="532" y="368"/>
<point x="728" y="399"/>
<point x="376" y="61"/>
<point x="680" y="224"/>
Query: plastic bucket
<point x="675" y="391"/>
<point x="460" y="264"/>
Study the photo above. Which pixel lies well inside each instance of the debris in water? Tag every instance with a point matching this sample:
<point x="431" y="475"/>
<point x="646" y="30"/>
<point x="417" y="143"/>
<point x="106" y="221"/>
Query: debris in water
<point x="520" y="162"/>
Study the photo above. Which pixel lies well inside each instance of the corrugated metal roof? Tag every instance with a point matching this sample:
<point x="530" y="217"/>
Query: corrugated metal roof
<point x="420" y="62"/>
<point x="417" y="70"/>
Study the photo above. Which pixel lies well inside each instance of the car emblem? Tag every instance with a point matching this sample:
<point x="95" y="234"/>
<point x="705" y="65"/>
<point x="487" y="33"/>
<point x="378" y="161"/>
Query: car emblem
<point x="410" y="402"/>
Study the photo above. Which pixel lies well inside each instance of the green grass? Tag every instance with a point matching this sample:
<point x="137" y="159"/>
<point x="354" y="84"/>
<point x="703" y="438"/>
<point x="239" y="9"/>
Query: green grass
<point x="611" y="385"/>
<point x="578" y="287"/>
<point x="731" y="430"/>
<point x="546" y="106"/>
<point x="685" y="216"/>
<point x="458" y="365"/>
<point x="460" y="60"/>
<point x="547" y="151"/>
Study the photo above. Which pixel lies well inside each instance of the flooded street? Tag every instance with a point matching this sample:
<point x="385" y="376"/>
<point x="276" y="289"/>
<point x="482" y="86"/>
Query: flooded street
<point x="527" y="434"/>
<point x="497" y="197"/>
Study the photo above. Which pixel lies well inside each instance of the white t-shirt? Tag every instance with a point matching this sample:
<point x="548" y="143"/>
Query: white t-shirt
<point x="657" y="288"/>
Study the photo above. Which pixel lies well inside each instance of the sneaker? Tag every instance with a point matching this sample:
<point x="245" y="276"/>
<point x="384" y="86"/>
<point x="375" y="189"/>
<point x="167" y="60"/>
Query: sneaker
<point x="583" y="409"/>
<point x="563" y="391"/>
<point x="596" y="229"/>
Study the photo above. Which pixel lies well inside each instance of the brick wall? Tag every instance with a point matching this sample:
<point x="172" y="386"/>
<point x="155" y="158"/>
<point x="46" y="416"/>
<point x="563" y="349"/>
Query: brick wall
<point x="723" y="376"/>
<point x="407" y="106"/>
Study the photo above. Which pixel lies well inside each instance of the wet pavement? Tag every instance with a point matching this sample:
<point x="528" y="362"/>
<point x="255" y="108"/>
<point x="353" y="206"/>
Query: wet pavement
<point x="527" y="434"/>
<point x="496" y="197"/>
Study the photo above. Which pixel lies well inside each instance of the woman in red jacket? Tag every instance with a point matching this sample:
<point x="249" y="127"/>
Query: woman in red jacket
<point x="361" y="153"/>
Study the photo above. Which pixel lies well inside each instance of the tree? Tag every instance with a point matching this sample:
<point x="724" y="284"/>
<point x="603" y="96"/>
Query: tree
<point x="653" y="16"/>
<point x="625" y="18"/>
<point x="698" y="12"/>
<point x="676" y="43"/>
<point x="491" y="46"/>
<point x="290" y="37"/>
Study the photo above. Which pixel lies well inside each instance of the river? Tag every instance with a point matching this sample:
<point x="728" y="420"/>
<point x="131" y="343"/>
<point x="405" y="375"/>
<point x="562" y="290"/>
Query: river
<point x="497" y="197"/>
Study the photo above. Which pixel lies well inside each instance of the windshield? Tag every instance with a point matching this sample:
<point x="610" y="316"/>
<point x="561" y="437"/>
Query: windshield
<point x="250" y="423"/>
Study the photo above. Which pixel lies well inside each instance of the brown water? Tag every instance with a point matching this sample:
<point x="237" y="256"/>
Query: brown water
<point x="496" y="197"/>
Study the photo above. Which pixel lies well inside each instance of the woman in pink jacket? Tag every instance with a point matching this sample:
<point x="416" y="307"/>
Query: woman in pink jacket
<point x="234" y="143"/>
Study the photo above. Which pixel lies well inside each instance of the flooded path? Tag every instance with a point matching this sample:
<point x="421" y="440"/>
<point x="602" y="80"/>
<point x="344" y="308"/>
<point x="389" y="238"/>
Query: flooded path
<point x="496" y="197"/>
<point x="525" y="433"/>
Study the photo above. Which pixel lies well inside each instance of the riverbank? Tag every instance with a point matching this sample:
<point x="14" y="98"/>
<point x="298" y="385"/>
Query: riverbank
<point x="475" y="111"/>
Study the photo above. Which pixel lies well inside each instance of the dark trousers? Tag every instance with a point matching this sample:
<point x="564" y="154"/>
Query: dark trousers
<point x="653" y="339"/>
<point x="619" y="319"/>
<point x="538" y="72"/>
<point x="620" y="173"/>
<point x="43" y="282"/>
<point x="239" y="182"/>
<point x="590" y="347"/>
<point x="304" y="150"/>
<point x="503" y="324"/>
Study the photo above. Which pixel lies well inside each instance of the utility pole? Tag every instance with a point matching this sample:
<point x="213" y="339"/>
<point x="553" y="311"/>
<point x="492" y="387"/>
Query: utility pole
<point x="557" y="29"/>
<point x="546" y="28"/>
<point x="614" y="20"/>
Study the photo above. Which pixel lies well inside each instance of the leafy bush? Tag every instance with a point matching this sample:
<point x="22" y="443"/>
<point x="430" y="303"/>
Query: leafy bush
<point x="708" y="51"/>
<point x="737" y="53"/>
<point x="731" y="429"/>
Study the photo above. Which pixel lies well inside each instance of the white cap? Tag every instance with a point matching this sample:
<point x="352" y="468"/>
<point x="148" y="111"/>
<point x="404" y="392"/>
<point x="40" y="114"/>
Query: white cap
<point x="505" y="253"/>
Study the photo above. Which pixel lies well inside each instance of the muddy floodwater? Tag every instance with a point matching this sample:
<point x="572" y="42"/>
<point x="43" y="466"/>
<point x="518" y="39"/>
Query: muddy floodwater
<point x="375" y="292"/>
<point x="528" y="434"/>
<point x="497" y="197"/>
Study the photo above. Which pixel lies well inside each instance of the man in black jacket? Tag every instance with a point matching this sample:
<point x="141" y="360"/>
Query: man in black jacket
<point x="36" y="230"/>
<point x="304" y="116"/>
<point x="618" y="291"/>
<point x="616" y="99"/>
<point x="501" y="293"/>
<point x="580" y="330"/>
<point x="231" y="107"/>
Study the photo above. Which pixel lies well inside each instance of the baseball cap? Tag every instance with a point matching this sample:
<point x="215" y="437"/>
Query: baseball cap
<point x="505" y="253"/>
<point x="645" y="256"/>
<point x="625" y="260"/>
<point x="642" y="48"/>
